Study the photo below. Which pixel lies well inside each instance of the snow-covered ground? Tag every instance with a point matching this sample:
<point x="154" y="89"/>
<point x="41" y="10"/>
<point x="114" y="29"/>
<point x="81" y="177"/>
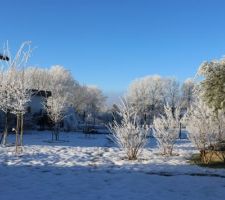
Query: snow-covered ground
<point x="93" y="168"/>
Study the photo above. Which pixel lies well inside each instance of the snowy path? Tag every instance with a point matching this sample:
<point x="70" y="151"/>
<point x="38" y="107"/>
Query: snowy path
<point x="88" y="168"/>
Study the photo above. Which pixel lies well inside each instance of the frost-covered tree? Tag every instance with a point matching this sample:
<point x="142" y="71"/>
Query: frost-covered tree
<point x="147" y="96"/>
<point x="187" y="91"/>
<point x="94" y="102"/>
<point x="85" y="100"/>
<point x="59" y="82"/>
<point x="150" y="93"/>
<point x="220" y="125"/>
<point x="212" y="86"/>
<point x="166" y="129"/>
<point x="20" y="98"/>
<point x="172" y="92"/>
<point x="80" y="98"/>
<point x="4" y="105"/>
<point x="47" y="79"/>
<point x="62" y="78"/>
<point x="38" y="78"/>
<point x="56" y="110"/>
<point x="14" y="87"/>
<point x="88" y="101"/>
<point x="128" y="134"/>
<point x="5" y="95"/>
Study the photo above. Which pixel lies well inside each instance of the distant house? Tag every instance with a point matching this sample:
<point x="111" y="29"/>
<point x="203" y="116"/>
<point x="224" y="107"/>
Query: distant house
<point x="36" y="104"/>
<point x="36" y="116"/>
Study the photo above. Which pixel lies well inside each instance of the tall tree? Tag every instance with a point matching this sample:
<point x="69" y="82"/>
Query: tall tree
<point x="147" y="96"/>
<point x="187" y="96"/>
<point x="212" y="87"/>
<point x="16" y="87"/>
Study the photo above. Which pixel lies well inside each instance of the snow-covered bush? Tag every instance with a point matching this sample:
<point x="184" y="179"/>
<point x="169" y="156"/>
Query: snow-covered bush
<point x="203" y="127"/>
<point x="128" y="134"/>
<point x="166" y="129"/>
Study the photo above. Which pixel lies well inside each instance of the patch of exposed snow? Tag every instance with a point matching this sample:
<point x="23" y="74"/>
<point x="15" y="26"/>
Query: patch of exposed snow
<point x="93" y="168"/>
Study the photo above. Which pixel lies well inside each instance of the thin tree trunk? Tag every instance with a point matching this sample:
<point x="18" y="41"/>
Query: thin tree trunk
<point x="180" y="129"/>
<point x="21" y="129"/>
<point x="52" y="134"/>
<point x="17" y="131"/>
<point x="5" y="134"/>
<point x="55" y="132"/>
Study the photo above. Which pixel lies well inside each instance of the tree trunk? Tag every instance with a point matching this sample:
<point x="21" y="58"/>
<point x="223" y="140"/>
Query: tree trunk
<point x="145" y="118"/>
<point x="17" y="131"/>
<point x="57" y="131"/>
<point x="5" y="134"/>
<point x="94" y="118"/>
<point x="53" y="135"/>
<point x="180" y="131"/>
<point x="21" y="129"/>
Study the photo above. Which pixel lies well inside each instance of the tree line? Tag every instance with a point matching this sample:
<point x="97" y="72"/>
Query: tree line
<point x="18" y="81"/>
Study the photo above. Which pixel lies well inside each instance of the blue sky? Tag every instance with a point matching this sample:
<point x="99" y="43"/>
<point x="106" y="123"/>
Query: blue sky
<point x="109" y="43"/>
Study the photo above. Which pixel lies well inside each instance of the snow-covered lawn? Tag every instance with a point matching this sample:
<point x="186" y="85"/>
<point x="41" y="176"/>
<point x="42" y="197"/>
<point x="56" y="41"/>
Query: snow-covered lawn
<point x="93" y="168"/>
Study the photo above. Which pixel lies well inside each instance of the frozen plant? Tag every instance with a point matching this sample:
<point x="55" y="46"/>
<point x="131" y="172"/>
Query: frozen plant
<point x="204" y="128"/>
<point x="128" y="134"/>
<point x="56" y="108"/>
<point x="166" y="129"/>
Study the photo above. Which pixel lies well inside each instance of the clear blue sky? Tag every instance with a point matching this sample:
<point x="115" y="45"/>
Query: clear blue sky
<point x="111" y="42"/>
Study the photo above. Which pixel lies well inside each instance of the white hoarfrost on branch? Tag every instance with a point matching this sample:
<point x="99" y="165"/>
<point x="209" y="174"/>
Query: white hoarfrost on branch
<point x="166" y="129"/>
<point x="128" y="134"/>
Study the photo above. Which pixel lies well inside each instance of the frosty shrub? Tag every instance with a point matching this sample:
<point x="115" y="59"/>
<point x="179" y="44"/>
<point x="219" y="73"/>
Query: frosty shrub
<point x="128" y="134"/>
<point x="166" y="129"/>
<point x="205" y="128"/>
